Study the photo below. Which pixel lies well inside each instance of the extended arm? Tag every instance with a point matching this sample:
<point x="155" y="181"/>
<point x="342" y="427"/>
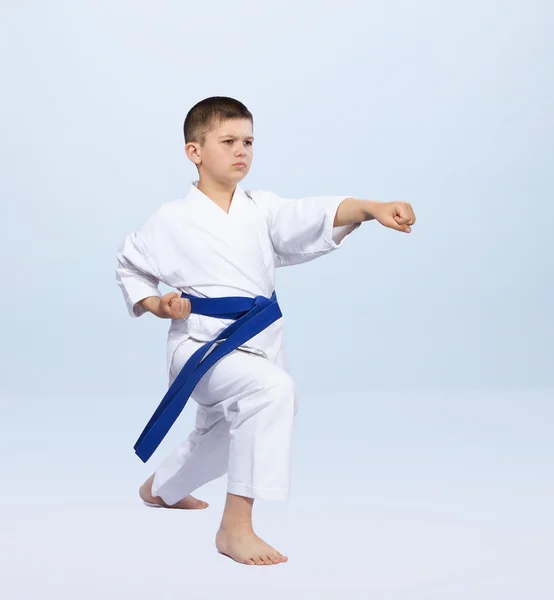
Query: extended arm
<point x="396" y="215"/>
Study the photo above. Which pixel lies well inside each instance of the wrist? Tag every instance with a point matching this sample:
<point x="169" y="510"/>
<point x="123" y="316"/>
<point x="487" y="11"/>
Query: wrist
<point x="371" y="208"/>
<point x="151" y="304"/>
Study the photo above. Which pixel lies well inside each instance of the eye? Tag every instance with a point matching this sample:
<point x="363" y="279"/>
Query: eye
<point x="249" y="142"/>
<point x="225" y="141"/>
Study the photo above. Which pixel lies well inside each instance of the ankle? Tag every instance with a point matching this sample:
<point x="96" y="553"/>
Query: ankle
<point x="232" y="525"/>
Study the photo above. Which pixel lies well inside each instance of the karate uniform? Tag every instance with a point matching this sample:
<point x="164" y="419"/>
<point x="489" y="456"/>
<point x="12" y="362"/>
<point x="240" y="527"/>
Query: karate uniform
<point x="247" y="400"/>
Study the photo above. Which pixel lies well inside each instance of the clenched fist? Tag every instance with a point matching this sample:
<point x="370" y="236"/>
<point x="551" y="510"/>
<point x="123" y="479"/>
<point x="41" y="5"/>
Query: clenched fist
<point x="170" y="306"/>
<point x="396" y="215"/>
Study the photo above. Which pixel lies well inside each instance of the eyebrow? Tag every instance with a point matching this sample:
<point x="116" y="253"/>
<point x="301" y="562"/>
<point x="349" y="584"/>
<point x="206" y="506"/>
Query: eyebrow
<point x="248" y="137"/>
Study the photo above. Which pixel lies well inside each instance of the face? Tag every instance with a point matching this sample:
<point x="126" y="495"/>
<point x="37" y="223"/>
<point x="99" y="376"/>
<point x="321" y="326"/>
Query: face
<point x="229" y="143"/>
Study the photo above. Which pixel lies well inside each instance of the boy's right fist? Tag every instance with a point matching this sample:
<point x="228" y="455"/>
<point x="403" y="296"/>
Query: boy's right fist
<point x="172" y="306"/>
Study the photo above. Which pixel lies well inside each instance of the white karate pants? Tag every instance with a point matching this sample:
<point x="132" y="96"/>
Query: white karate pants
<point x="244" y="423"/>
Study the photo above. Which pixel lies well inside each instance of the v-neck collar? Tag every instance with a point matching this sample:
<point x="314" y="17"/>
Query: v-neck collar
<point x="232" y="207"/>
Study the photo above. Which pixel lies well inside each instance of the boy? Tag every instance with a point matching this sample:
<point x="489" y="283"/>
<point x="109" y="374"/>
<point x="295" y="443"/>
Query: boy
<point x="219" y="247"/>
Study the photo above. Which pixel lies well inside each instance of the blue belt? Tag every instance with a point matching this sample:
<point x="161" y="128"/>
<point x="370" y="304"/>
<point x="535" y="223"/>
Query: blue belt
<point x="251" y="315"/>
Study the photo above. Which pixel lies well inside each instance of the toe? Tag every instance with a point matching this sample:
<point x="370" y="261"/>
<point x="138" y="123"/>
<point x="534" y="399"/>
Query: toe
<point x="196" y="503"/>
<point x="258" y="561"/>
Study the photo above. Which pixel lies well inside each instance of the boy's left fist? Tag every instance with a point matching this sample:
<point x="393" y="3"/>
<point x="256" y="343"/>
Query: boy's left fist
<point x="396" y="215"/>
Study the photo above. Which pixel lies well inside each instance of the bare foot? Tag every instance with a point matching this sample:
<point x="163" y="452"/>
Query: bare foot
<point x="190" y="502"/>
<point x="242" y="545"/>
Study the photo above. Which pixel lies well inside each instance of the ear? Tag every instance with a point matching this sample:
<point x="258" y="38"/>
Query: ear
<point x="192" y="152"/>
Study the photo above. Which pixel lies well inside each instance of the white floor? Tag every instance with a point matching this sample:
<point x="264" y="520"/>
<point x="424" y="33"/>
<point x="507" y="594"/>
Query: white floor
<point x="443" y="497"/>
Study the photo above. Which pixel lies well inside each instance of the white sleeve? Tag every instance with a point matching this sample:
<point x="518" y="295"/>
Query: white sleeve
<point x="302" y="229"/>
<point x="136" y="273"/>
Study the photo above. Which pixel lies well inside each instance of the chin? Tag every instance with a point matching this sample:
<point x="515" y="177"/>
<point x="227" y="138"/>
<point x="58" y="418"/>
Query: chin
<point x="239" y="176"/>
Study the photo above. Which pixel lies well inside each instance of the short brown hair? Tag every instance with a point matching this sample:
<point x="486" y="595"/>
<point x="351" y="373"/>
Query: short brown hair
<point x="208" y="113"/>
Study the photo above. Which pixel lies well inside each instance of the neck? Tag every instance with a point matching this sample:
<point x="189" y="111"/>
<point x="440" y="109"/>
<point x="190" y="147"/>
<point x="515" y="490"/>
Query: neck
<point x="221" y="193"/>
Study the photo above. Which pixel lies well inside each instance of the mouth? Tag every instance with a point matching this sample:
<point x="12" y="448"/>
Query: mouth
<point x="240" y="165"/>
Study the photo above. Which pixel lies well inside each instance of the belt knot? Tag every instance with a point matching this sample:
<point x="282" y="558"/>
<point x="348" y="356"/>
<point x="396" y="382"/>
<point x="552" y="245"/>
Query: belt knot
<point x="261" y="302"/>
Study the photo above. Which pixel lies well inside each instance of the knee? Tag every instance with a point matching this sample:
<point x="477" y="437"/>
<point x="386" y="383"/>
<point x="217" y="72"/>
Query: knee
<point x="272" y="396"/>
<point x="282" y="390"/>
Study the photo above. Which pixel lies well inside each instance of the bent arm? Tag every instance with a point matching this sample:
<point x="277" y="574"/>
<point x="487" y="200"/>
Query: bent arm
<point x="136" y="275"/>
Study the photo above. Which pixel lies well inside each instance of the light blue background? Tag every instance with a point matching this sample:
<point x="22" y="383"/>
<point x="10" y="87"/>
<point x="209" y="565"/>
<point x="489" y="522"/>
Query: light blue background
<point x="424" y="447"/>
